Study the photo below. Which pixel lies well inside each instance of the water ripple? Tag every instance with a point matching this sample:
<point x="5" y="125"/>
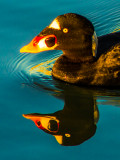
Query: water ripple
<point x="34" y="68"/>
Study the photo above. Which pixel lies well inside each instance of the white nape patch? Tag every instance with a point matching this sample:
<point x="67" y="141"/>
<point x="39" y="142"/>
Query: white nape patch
<point x="94" y="44"/>
<point x="55" y="24"/>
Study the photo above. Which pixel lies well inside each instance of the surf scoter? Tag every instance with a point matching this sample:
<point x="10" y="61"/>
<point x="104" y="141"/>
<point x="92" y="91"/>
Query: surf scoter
<point x="86" y="59"/>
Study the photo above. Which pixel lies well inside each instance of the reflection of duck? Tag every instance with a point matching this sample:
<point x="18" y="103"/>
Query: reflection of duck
<point x="75" y="36"/>
<point x="75" y="123"/>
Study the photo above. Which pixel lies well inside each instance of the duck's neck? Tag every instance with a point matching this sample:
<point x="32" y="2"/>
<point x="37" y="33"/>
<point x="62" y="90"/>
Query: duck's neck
<point x="79" y="56"/>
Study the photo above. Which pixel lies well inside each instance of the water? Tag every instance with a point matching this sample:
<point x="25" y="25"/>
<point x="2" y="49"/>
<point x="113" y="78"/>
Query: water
<point x="27" y="91"/>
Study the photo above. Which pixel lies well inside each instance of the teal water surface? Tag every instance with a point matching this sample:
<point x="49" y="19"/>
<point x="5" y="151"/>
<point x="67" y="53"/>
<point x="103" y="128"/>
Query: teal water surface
<point x="24" y="91"/>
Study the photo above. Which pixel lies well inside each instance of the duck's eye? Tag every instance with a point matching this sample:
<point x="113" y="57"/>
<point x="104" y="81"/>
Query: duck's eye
<point x="67" y="135"/>
<point x="65" y="30"/>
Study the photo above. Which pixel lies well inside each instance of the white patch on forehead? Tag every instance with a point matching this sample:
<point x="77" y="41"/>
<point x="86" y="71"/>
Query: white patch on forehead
<point x="55" y="24"/>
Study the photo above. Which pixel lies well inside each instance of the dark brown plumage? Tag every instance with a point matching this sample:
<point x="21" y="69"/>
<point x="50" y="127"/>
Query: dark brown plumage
<point x="73" y="34"/>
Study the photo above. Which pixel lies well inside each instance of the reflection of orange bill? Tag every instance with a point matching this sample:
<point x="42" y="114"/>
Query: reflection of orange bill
<point x="44" y="122"/>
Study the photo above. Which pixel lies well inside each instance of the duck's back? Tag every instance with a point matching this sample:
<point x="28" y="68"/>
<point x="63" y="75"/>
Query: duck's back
<point x="106" y="42"/>
<point x="108" y="68"/>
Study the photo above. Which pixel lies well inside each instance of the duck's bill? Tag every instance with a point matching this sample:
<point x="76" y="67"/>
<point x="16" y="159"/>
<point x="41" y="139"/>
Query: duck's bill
<point x="44" y="122"/>
<point x="39" y="117"/>
<point x="32" y="117"/>
<point x="40" y="44"/>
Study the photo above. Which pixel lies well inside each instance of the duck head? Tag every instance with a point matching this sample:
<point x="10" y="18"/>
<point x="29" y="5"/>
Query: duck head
<point x="69" y="32"/>
<point x="67" y="129"/>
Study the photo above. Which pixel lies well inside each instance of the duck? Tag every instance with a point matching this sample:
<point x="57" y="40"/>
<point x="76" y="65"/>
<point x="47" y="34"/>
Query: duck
<point x="75" y="123"/>
<point x="87" y="60"/>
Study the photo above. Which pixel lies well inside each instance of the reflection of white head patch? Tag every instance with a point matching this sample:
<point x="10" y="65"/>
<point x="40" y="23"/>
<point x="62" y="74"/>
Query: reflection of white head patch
<point x="55" y="25"/>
